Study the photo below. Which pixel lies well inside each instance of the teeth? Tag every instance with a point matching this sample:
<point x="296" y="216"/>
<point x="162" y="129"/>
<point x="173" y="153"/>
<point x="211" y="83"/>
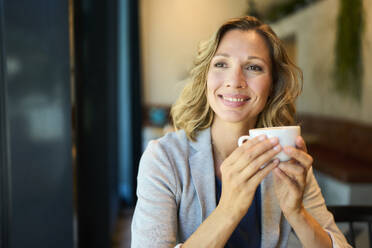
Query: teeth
<point x="233" y="99"/>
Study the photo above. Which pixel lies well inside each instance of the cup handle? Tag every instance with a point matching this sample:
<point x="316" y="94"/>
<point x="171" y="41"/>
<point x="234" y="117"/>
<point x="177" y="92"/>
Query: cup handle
<point x="242" y="139"/>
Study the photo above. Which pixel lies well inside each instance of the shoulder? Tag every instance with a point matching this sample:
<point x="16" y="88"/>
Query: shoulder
<point x="172" y="139"/>
<point x="171" y="144"/>
<point x="166" y="153"/>
<point x="164" y="160"/>
<point x="174" y="150"/>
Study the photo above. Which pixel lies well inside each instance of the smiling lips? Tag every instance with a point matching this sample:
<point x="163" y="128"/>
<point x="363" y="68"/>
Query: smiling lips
<point x="234" y="100"/>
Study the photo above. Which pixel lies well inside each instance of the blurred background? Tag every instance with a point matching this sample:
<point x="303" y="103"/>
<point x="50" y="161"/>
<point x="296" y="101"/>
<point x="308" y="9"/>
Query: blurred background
<point x="85" y="84"/>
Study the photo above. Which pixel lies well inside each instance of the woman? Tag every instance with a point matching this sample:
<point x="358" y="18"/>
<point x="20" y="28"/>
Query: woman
<point x="197" y="188"/>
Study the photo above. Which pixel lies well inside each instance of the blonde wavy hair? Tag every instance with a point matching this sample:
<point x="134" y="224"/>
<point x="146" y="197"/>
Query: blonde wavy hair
<point x="192" y="113"/>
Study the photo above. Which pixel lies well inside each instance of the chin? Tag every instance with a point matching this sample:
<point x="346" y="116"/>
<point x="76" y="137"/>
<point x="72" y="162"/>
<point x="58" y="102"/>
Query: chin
<point x="234" y="118"/>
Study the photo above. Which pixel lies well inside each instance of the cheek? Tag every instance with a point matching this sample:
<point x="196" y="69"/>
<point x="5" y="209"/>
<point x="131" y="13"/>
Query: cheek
<point x="262" y="87"/>
<point x="213" y="82"/>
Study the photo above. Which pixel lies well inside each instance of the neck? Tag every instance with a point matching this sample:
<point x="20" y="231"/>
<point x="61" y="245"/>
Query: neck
<point x="225" y="137"/>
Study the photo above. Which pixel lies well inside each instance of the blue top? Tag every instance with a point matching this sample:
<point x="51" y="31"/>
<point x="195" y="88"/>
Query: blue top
<point x="248" y="233"/>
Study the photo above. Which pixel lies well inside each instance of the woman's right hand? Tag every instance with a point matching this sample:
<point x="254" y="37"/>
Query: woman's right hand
<point x="242" y="172"/>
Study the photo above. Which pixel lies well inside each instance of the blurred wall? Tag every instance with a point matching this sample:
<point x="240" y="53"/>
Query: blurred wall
<point x="314" y="29"/>
<point x="170" y="33"/>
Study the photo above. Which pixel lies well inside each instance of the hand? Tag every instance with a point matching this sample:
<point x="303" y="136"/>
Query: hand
<point x="290" y="178"/>
<point x="242" y="172"/>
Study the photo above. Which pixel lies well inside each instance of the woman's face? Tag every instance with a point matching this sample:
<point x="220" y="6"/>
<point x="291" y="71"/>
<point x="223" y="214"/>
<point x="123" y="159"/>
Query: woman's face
<point x="239" y="78"/>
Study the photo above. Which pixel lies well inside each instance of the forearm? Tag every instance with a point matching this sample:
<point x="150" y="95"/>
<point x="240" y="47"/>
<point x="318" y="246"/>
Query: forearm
<point x="214" y="231"/>
<point x="309" y="231"/>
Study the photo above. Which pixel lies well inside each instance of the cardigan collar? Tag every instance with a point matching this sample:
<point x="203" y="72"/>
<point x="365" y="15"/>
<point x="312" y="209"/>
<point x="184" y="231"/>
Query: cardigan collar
<point x="202" y="171"/>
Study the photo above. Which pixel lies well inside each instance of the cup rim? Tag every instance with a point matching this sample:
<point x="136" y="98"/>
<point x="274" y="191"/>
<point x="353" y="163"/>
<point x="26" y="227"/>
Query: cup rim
<point x="280" y="127"/>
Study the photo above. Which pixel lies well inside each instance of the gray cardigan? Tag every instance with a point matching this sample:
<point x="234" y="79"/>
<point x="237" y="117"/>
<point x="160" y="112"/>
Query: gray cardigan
<point x="176" y="193"/>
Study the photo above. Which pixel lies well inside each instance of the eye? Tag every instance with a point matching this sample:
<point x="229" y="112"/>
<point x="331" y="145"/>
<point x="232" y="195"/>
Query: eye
<point x="220" y="65"/>
<point x="254" y="68"/>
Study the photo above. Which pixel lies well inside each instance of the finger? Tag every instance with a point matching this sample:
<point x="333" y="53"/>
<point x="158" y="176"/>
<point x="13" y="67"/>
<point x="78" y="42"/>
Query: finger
<point x="262" y="159"/>
<point x="300" y="144"/>
<point x="256" y="165"/>
<point x="266" y="157"/>
<point x="284" y="178"/>
<point x="256" y="151"/>
<point x="257" y="178"/>
<point x="238" y="152"/>
<point x="302" y="157"/>
<point x="292" y="170"/>
<point x="252" y="142"/>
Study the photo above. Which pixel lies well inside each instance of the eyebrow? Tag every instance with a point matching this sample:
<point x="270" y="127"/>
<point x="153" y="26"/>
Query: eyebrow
<point x="249" y="57"/>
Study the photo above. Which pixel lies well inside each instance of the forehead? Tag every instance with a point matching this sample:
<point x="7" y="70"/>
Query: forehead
<point x="244" y="43"/>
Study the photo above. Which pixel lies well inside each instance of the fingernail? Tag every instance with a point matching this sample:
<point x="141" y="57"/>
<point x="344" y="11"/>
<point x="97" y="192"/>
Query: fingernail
<point x="277" y="148"/>
<point x="262" y="137"/>
<point x="274" y="140"/>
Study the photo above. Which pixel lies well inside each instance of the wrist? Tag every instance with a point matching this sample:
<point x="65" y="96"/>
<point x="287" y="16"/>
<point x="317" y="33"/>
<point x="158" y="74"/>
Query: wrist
<point x="308" y="230"/>
<point x="228" y="215"/>
<point x="296" y="215"/>
<point x="214" y="231"/>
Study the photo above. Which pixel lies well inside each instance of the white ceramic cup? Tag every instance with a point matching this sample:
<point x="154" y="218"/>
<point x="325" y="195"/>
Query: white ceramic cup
<point x="287" y="137"/>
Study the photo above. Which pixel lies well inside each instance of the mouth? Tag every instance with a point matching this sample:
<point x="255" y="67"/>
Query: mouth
<point x="234" y="101"/>
<point x="235" y="98"/>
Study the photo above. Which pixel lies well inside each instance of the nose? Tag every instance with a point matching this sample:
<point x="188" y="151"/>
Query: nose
<point x="236" y="79"/>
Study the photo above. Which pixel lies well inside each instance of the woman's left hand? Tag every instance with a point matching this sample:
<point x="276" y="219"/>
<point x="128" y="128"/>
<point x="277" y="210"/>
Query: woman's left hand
<point x="290" y="178"/>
